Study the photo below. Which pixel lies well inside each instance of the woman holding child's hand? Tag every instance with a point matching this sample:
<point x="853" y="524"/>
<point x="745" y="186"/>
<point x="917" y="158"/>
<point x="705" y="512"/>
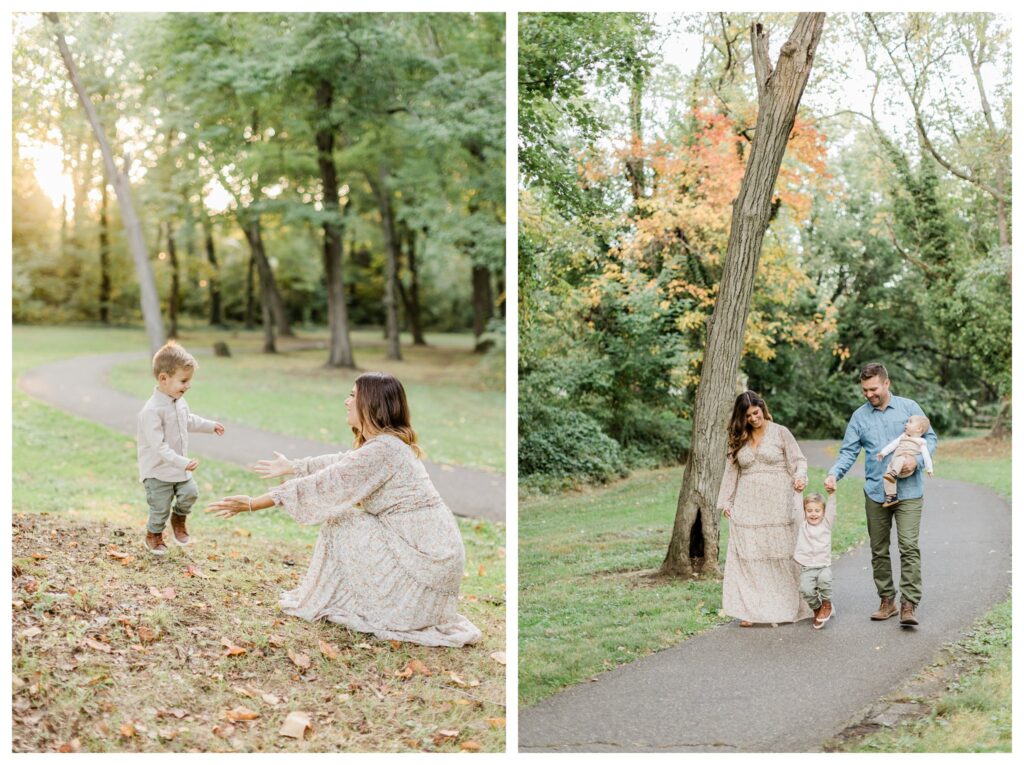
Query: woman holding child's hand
<point x="389" y="557"/>
<point x="764" y="470"/>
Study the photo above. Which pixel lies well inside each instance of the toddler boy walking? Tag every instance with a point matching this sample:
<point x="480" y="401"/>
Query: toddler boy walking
<point x="814" y="554"/>
<point x="164" y="466"/>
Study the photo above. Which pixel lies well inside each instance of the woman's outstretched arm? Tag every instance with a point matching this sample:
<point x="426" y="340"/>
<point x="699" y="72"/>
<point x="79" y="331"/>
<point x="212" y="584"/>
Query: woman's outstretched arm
<point x="239" y="503"/>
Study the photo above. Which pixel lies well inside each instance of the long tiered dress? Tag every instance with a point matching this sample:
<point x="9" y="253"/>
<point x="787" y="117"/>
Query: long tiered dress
<point x="762" y="581"/>
<point x="389" y="558"/>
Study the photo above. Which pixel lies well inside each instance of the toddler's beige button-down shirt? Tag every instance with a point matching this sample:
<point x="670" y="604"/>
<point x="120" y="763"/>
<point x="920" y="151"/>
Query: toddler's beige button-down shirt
<point x="164" y="425"/>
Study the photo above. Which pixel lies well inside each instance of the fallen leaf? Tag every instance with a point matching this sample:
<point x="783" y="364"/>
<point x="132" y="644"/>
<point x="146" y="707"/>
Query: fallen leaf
<point x="445" y="734"/>
<point x="328" y="650"/>
<point x="276" y="640"/>
<point x="176" y="713"/>
<point x="146" y="635"/>
<point x="168" y="593"/>
<point x="396" y="644"/>
<point x="97" y="645"/>
<point x="270" y="698"/>
<point x="113" y="552"/>
<point x="127" y="730"/>
<point x="413" y="667"/>
<point x="498" y="656"/>
<point x="295" y="725"/>
<point x="496" y="722"/>
<point x="300" y="660"/>
<point x="239" y="532"/>
<point x="196" y="571"/>
<point x="480" y="571"/>
<point x="30" y="632"/>
<point x="241" y="713"/>
<point x="224" y="731"/>
<point x="469" y="746"/>
<point x="231" y="649"/>
<point x="39" y="556"/>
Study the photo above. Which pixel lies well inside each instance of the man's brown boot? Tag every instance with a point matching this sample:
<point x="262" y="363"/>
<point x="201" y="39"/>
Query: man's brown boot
<point x="886" y="609"/>
<point x="178" y="532"/>
<point x="155" y="544"/>
<point x="907" y="617"/>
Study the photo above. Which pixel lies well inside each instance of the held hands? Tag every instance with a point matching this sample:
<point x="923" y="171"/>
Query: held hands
<point x="231" y="506"/>
<point x="879" y="457"/>
<point x="279" y="466"/>
<point x="727" y="512"/>
<point x="830" y="483"/>
<point x="192" y="465"/>
<point x="218" y="429"/>
<point x="799" y="483"/>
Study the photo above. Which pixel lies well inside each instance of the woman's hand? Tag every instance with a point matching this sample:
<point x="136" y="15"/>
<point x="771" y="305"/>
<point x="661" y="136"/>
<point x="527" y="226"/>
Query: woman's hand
<point x="799" y="483"/>
<point x="231" y="506"/>
<point x="275" y="467"/>
<point x="727" y="512"/>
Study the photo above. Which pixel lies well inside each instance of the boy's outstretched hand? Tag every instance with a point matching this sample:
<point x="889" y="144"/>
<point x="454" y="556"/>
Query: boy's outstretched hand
<point x="192" y="465"/>
<point x="218" y="429"/>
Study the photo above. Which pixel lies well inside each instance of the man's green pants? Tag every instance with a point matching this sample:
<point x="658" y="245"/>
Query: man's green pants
<point x="907" y="514"/>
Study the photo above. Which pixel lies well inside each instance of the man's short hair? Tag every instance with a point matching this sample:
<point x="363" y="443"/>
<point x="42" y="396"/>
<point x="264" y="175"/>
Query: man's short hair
<point x="874" y="369"/>
<point x="171" y="358"/>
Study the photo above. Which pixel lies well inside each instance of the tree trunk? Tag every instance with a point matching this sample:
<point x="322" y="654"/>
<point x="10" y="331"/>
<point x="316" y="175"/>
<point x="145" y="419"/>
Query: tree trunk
<point x="387" y="218"/>
<point x="268" y="285"/>
<point x="413" y="312"/>
<point x="341" y="353"/>
<point x="216" y="310"/>
<point x="1001" y="427"/>
<point x="174" y="300"/>
<point x="105" y="286"/>
<point x="779" y="94"/>
<point x="147" y="286"/>
<point x="483" y="300"/>
<point x="635" y="161"/>
<point x="268" y="319"/>
<point x="250" y="296"/>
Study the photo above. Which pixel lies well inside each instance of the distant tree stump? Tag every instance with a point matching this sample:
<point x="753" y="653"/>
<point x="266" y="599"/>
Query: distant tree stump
<point x="221" y="349"/>
<point x="483" y="346"/>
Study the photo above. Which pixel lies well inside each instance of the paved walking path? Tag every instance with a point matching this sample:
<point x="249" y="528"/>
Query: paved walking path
<point x="791" y="688"/>
<point x="80" y="386"/>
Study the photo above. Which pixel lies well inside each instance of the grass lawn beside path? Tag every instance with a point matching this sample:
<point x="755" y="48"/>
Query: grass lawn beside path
<point x="114" y="650"/>
<point x="583" y="556"/>
<point x="456" y="396"/>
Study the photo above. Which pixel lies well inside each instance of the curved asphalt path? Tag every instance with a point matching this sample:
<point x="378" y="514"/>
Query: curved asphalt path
<point x="80" y="386"/>
<point x="792" y="688"/>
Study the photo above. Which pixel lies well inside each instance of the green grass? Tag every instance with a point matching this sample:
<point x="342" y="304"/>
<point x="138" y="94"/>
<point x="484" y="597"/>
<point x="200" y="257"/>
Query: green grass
<point x="455" y="395"/>
<point x="75" y="492"/>
<point x="975" y="715"/>
<point x="582" y="556"/>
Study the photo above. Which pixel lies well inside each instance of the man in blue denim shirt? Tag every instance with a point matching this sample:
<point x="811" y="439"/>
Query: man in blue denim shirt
<point x="871" y="427"/>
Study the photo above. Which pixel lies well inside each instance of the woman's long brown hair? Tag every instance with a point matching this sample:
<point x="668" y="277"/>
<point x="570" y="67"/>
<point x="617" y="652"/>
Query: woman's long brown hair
<point x="739" y="430"/>
<point x="383" y="408"/>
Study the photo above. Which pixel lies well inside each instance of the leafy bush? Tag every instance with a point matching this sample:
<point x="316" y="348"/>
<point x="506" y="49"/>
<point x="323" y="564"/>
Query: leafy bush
<point x="566" y="444"/>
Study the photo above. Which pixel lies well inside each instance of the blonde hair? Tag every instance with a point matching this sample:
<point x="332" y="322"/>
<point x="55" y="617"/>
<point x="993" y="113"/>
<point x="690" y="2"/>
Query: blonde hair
<point x="383" y="408"/>
<point x="171" y="358"/>
<point x="814" y="497"/>
<point x="920" y="421"/>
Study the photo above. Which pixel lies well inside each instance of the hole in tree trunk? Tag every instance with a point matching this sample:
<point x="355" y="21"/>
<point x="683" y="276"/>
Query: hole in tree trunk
<point x="697" y="538"/>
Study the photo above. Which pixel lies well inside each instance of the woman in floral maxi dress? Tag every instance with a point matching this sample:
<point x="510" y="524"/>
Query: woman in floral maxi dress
<point x="764" y="472"/>
<point x="389" y="558"/>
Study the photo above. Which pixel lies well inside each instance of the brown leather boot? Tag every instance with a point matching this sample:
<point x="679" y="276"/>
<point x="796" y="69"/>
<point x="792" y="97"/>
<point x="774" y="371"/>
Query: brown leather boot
<point x="886" y="609"/>
<point x="155" y="544"/>
<point x="907" y="617"/>
<point x="824" y="614"/>
<point x="178" y="532"/>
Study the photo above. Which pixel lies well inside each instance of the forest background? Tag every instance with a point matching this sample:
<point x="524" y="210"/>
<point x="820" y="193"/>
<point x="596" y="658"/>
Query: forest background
<point x="890" y="237"/>
<point x="287" y="162"/>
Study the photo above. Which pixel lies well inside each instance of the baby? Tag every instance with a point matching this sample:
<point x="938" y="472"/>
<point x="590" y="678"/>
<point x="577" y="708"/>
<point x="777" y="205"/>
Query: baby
<point x="904" y="461"/>
<point x="164" y="467"/>
<point x="814" y="554"/>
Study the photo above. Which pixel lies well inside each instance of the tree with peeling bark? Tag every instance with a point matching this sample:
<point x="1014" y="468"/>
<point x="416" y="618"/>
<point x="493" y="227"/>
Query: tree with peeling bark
<point x="122" y="188"/>
<point x="694" y="544"/>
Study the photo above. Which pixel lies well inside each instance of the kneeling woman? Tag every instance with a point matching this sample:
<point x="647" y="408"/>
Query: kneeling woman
<point x="389" y="557"/>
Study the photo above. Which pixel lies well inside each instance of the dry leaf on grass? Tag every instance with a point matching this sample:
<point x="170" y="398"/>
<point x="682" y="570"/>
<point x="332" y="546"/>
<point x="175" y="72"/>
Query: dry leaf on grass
<point x="222" y="731"/>
<point x="469" y="746"/>
<point x="300" y="660"/>
<point x="30" y="632"/>
<point x="39" y="556"/>
<point x="471" y="683"/>
<point x="230" y="649"/>
<point x="444" y="735"/>
<point x="498" y="656"/>
<point x="146" y="635"/>
<point x="97" y="645"/>
<point x="127" y="730"/>
<point x="113" y="552"/>
<point x="239" y="532"/>
<point x="295" y="725"/>
<point x="241" y="713"/>
<point x="275" y="640"/>
<point x="413" y="667"/>
<point x="270" y="698"/>
<point x="328" y="650"/>
<point x="195" y="571"/>
<point x="496" y="722"/>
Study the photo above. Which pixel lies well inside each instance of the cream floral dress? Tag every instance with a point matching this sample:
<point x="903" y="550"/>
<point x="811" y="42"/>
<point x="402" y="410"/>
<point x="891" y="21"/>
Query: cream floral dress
<point x="762" y="581"/>
<point x="389" y="558"/>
